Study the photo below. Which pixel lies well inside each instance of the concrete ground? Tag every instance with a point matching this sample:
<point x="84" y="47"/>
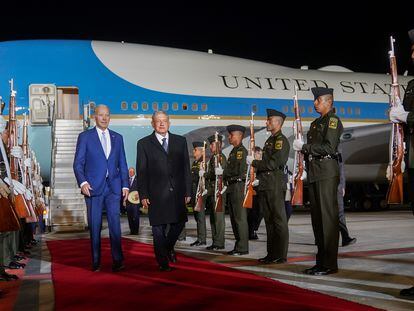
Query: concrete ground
<point x="372" y="271"/>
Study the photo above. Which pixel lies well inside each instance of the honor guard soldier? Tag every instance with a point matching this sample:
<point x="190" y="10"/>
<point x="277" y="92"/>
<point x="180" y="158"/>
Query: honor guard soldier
<point x="217" y="221"/>
<point x="271" y="186"/>
<point x="235" y="176"/>
<point x="405" y="113"/>
<point x="200" y="216"/>
<point x="322" y="157"/>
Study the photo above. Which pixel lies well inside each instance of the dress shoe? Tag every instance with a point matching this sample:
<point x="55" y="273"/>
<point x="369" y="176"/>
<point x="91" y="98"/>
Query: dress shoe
<point x="214" y="248"/>
<point x="407" y="293"/>
<point x="8" y="277"/>
<point x="311" y="270"/>
<point x="18" y="258"/>
<point x="96" y="268"/>
<point x="16" y="265"/>
<point x="263" y="260"/>
<point x="197" y="243"/>
<point x="349" y="241"/>
<point x="271" y="260"/>
<point x="165" y="268"/>
<point x="133" y="233"/>
<point x="323" y="271"/>
<point x="172" y="256"/>
<point x="117" y="266"/>
<point x="236" y="253"/>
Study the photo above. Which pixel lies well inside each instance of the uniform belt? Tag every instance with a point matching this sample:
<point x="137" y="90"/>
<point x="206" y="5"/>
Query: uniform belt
<point x="329" y="156"/>
<point x="234" y="181"/>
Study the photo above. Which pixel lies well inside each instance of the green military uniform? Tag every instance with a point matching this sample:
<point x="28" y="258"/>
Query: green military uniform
<point x="270" y="173"/>
<point x="200" y="216"/>
<point x="235" y="176"/>
<point x="321" y="154"/>
<point x="217" y="220"/>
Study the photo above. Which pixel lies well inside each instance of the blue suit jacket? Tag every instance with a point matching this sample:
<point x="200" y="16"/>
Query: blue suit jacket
<point x="91" y="165"/>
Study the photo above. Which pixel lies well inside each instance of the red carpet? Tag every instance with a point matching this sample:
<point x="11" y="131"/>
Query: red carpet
<point x="194" y="284"/>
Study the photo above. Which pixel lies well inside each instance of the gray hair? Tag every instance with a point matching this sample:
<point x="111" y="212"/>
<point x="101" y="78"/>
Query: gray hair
<point x="100" y="106"/>
<point x="160" y="112"/>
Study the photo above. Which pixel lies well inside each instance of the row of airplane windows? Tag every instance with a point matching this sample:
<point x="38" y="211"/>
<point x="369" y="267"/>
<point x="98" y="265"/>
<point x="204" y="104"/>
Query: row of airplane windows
<point x="165" y="106"/>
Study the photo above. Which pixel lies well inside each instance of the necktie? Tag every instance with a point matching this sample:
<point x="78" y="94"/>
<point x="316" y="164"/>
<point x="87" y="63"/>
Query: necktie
<point x="103" y="142"/>
<point x="164" y="144"/>
<point x="130" y="180"/>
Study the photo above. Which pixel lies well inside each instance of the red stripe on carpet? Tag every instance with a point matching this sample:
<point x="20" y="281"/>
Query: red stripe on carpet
<point x="194" y="284"/>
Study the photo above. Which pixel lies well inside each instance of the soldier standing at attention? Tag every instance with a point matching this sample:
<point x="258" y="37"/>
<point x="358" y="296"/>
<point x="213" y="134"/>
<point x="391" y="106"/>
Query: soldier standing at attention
<point x="405" y="113"/>
<point x="200" y="216"/>
<point x="271" y="187"/>
<point x="321" y="154"/>
<point x="235" y="176"/>
<point x="217" y="221"/>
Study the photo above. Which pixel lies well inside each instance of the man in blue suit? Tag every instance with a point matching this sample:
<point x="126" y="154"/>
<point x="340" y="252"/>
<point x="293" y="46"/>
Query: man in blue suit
<point x="101" y="171"/>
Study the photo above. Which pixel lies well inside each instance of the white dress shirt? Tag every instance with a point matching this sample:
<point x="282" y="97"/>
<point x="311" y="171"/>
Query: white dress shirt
<point x="108" y="140"/>
<point x="160" y="137"/>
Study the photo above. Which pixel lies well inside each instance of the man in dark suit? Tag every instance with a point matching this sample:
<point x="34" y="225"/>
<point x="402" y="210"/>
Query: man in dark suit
<point x="164" y="185"/>
<point x="102" y="174"/>
<point x="132" y="209"/>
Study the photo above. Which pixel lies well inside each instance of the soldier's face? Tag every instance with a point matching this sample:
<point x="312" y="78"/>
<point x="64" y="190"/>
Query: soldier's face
<point x="213" y="147"/>
<point x="323" y="104"/>
<point x="161" y="124"/>
<point x="235" y="138"/>
<point x="272" y="124"/>
<point x="197" y="153"/>
<point x="102" y="117"/>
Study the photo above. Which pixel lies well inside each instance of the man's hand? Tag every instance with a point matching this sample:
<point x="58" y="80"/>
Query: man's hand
<point x="125" y="193"/>
<point x="398" y="114"/>
<point x="187" y="200"/>
<point x="218" y="171"/>
<point x="201" y="173"/>
<point x="145" y="203"/>
<point x="17" y="152"/>
<point x="4" y="189"/>
<point x="86" y="189"/>
<point x="304" y="175"/>
<point x="298" y="144"/>
<point x="389" y="172"/>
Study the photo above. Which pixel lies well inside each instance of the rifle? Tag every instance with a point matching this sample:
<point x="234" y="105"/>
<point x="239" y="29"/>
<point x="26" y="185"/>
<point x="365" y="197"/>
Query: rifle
<point x="9" y="221"/>
<point x="19" y="201"/>
<point x="201" y="187"/>
<point x="250" y="174"/>
<point x="297" y="197"/>
<point x="395" y="189"/>
<point x="218" y="187"/>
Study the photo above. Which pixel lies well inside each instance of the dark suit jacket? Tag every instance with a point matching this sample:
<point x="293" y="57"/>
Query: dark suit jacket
<point x="164" y="179"/>
<point x="90" y="163"/>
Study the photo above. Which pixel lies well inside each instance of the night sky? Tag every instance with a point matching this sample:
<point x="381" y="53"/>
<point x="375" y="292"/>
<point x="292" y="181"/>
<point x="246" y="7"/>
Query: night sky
<point x="353" y="36"/>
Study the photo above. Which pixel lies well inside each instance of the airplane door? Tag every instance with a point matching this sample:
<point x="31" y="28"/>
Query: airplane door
<point x="67" y="103"/>
<point x="42" y="98"/>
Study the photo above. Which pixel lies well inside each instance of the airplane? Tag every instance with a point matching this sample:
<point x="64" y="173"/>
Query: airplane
<point x="201" y="91"/>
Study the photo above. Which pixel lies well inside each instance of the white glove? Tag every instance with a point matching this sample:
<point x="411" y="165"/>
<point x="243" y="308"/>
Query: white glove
<point x="4" y="189"/>
<point x="28" y="162"/>
<point x="218" y="171"/>
<point x="28" y="195"/>
<point x="204" y="192"/>
<point x="201" y="173"/>
<point x="402" y="166"/>
<point x="398" y="114"/>
<point x="255" y="183"/>
<point x="18" y="187"/>
<point x="304" y="175"/>
<point x="388" y="174"/>
<point x="34" y="183"/>
<point x="17" y="152"/>
<point x="298" y="144"/>
<point x="249" y="159"/>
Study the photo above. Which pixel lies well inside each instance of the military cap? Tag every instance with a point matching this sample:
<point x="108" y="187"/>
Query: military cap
<point x="198" y="144"/>
<point x="235" y="127"/>
<point x="275" y="113"/>
<point x="320" y="91"/>
<point x="212" y="138"/>
<point x="411" y="36"/>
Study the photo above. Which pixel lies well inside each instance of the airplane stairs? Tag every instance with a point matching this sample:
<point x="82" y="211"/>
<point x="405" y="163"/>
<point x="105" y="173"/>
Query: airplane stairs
<point x="67" y="205"/>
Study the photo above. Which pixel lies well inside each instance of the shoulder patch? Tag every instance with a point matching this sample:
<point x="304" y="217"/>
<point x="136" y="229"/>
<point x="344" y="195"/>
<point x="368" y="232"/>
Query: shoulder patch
<point x="239" y="155"/>
<point x="333" y="123"/>
<point x="278" y="144"/>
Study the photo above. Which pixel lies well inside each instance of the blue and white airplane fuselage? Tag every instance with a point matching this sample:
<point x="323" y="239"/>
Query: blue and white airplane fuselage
<point x="201" y="92"/>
